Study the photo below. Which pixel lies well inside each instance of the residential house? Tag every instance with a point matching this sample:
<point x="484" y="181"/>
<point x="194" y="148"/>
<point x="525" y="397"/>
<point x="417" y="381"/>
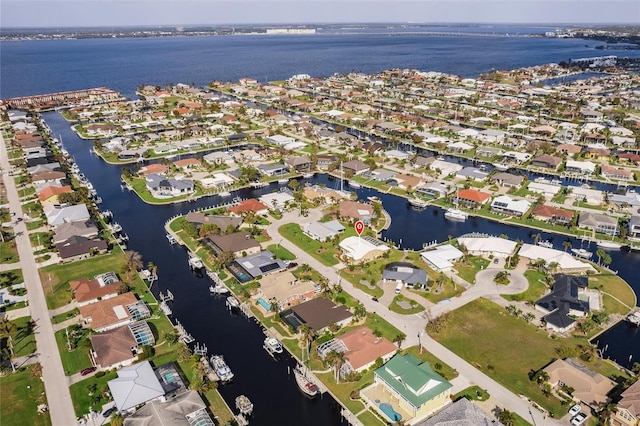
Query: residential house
<point x="273" y="169"/>
<point x="75" y="213"/>
<point x="506" y="205"/>
<point x="134" y="386"/>
<point x="435" y="189"/>
<point x="552" y="214"/>
<point x="461" y="413"/>
<point x="580" y="167"/>
<point x="78" y="247"/>
<point x="113" y="348"/>
<point x="255" y="265"/>
<point x="187" y="163"/>
<point x="101" y="287"/>
<point x="406" y="274"/>
<point x="471" y="198"/>
<point x="184" y="409"/>
<point x="546" y="161"/>
<point x="317" y="314"/>
<point x="598" y="222"/>
<point x="362" y="249"/>
<point x="298" y="163"/>
<point x="589" y="387"/>
<point x="285" y="289"/>
<point x="154" y="169"/>
<point x="113" y="312"/>
<point x="488" y="246"/>
<point x="163" y="187"/>
<point x="634" y="226"/>
<point x="507" y="180"/>
<point x="69" y="230"/>
<point x="355" y="167"/>
<point x="414" y="387"/>
<point x="353" y="211"/>
<point x="472" y="173"/>
<point x="611" y="172"/>
<point x="239" y="243"/>
<point x="627" y="412"/>
<point x="323" y="231"/>
<point x="249" y="205"/>
<point x="441" y="259"/>
<point x="361" y="349"/>
<point x="324" y="161"/>
<point x="564" y="302"/>
<point x="50" y="193"/>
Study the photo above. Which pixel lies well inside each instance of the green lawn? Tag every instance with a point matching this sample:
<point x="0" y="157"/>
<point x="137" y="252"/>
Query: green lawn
<point x="369" y="418"/>
<point x="8" y="252"/>
<point x="63" y="317"/>
<point x="57" y="277"/>
<point x="472" y="393"/>
<point x="24" y="340"/>
<point x="21" y="393"/>
<point x="616" y="287"/>
<point x="536" y="289"/>
<point x="77" y="359"/>
<point x="80" y="391"/>
<point x="468" y="270"/>
<point x="504" y="347"/>
<point x="414" y="309"/>
<point x="280" y="252"/>
<point x="323" y="252"/>
<point x="14" y="276"/>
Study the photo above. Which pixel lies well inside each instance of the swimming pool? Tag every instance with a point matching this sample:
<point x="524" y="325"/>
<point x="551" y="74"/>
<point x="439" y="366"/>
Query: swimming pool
<point x="388" y="410"/>
<point x="265" y="305"/>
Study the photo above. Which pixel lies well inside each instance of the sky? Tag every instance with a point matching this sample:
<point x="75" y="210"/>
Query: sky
<point x="109" y="13"/>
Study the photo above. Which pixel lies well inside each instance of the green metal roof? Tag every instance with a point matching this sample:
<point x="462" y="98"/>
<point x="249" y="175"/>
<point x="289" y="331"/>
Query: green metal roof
<point x="416" y="382"/>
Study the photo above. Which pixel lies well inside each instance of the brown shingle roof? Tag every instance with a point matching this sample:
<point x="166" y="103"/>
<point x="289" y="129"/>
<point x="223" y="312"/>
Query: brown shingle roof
<point x="318" y="313"/>
<point x="113" y="346"/>
<point x="86" y="289"/>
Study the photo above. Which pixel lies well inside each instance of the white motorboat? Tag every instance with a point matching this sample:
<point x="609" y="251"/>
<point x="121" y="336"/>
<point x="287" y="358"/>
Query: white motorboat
<point x="609" y="245"/>
<point x="195" y="262"/>
<point x="244" y="405"/>
<point x="455" y="214"/>
<point x="418" y="203"/>
<point x="501" y="166"/>
<point x="354" y="184"/>
<point x="171" y="239"/>
<point x="258" y="184"/>
<point x="283" y="180"/>
<point x="634" y="318"/>
<point x="225" y="194"/>
<point x="374" y="199"/>
<point x="546" y="244"/>
<point x="272" y="345"/>
<point x="221" y="368"/>
<point x="218" y="289"/>
<point x="233" y="303"/>
<point x="305" y="385"/>
<point x="585" y="254"/>
<point x="308" y="175"/>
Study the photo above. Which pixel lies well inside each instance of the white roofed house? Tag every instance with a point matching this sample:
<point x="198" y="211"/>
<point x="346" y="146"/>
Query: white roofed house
<point x="75" y="213"/>
<point x="406" y="274"/>
<point x="506" y="205"/>
<point x="487" y="246"/>
<point x="581" y="167"/>
<point x="599" y="223"/>
<point x="492" y="136"/>
<point x="135" y="385"/>
<point x="323" y="231"/>
<point x="634" y="227"/>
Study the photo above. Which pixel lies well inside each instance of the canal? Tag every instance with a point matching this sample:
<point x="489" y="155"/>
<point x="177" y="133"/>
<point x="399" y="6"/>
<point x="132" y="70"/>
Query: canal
<point x="257" y="375"/>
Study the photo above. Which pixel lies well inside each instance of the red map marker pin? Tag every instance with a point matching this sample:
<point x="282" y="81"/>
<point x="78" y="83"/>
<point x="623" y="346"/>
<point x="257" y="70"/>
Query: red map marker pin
<point x="359" y="227"/>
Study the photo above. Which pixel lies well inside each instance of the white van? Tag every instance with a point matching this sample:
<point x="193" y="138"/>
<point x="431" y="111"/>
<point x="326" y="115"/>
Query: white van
<point x="399" y="288"/>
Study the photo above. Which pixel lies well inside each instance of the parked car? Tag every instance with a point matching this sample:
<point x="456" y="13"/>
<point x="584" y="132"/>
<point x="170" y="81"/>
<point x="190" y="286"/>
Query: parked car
<point x="579" y="419"/>
<point x="496" y="260"/>
<point x="108" y="412"/>
<point x="574" y="410"/>
<point x="88" y="371"/>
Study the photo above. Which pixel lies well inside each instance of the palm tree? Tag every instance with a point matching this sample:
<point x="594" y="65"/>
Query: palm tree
<point x="536" y="238"/>
<point x="566" y="244"/>
<point x="336" y="360"/>
<point x="399" y="339"/>
<point x="506" y="417"/>
<point x="600" y="253"/>
<point x="359" y="311"/>
<point x="133" y="262"/>
<point x="308" y="335"/>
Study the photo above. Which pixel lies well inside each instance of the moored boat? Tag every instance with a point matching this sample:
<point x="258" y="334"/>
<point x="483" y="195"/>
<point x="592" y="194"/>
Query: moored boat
<point x="545" y="243"/>
<point x="218" y="289"/>
<point x="354" y="184"/>
<point x="455" y="214"/>
<point x="609" y="245"/>
<point x="418" y="203"/>
<point x="221" y="368"/>
<point x="272" y="345"/>
<point x="374" y="199"/>
<point x="195" y="262"/>
<point x="634" y="318"/>
<point x="233" y="303"/>
<point x="171" y="238"/>
<point x="305" y="385"/>
<point x="225" y="194"/>
<point x="585" y="254"/>
<point x="308" y="175"/>
<point x="258" y="184"/>
<point x="283" y="180"/>
<point x="244" y="405"/>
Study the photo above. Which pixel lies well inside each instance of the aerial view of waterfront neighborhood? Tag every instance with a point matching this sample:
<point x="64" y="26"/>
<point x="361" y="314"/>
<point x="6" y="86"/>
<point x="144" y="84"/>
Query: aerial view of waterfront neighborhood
<point x="288" y="192"/>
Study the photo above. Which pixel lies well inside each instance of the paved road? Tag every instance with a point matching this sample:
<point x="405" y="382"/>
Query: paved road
<point x="414" y="325"/>
<point x="55" y="382"/>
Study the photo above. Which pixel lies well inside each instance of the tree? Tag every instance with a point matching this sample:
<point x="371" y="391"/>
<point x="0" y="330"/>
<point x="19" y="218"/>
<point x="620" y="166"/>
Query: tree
<point x="308" y="335"/>
<point x="506" y="417"/>
<point x="336" y="360"/>
<point x="224" y="258"/>
<point x="133" y="262"/>
<point x="359" y="311"/>
<point x="567" y="245"/>
<point x="400" y="337"/>
<point x="600" y="253"/>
